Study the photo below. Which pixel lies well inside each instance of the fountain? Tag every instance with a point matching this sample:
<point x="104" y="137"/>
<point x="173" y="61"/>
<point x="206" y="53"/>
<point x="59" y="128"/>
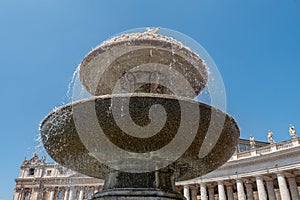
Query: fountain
<point x="141" y="129"/>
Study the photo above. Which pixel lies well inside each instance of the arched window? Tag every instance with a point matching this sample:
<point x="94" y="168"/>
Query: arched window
<point x="31" y="172"/>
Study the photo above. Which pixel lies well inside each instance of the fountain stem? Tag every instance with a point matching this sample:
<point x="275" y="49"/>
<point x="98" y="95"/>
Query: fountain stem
<point x="151" y="185"/>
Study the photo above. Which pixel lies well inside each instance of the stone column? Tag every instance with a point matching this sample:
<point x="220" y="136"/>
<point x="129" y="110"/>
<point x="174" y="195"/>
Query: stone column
<point x="240" y="190"/>
<point x="270" y="189"/>
<point x="261" y="188"/>
<point x="293" y="188"/>
<point x="229" y="192"/>
<point x="194" y="193"/>
<point x="35" y="194"/>
<point x="186" y="192"/>
<point x="221" y="191"/>
<point x="284" y="191"/>
<point x="203" y="192"/>
<point x="81" y="193"/>
<point x="66" y="194"/>
<point x="249" y="190"/>
<point x="52" y="191"/>
<point x="211" y="192"/>
<point x="17" y="194"/>
<point x="72" y="193"/>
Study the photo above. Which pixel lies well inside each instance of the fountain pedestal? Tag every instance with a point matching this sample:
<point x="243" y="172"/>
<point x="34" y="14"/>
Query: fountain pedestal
<point x="152" y="185"/>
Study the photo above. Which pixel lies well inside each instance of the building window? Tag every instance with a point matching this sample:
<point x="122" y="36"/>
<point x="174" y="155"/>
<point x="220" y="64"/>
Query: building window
<point x="26" y="195"/>
<point x="49" y="172"/>
<point x="31" y="172"/>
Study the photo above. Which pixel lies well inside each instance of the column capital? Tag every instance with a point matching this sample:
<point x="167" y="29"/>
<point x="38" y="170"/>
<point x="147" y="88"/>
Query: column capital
<point x="36" y="189"/>
<point x="268" y="178"/>
<point x="81" y="187"/>
<point x="210" y="185"/>
<point x="291" y="177"/>
<point x="193" y="187"/>
<point x="249" y="180"/>
<point x="239" y="180"/>
<point x="202" y="184"/>
<point x="259" y="177"/>
<point x="186" y="186"/>
<point x="269" y="181"/>
<point x="280" y="173"/>
<point x="229" y="182"/>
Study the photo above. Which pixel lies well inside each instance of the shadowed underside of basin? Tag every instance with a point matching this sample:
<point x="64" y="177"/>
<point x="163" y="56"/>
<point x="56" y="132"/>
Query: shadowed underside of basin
<point x="61" y="138"/>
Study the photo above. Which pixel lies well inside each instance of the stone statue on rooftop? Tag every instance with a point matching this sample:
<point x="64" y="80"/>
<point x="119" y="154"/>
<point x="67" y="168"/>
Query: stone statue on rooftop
<point x="252" y="142"/>
<point x="152" y="30"/>
<point x="292" y="131"/>
<point x="270" y="137"/>
<point x="43" y="160"/>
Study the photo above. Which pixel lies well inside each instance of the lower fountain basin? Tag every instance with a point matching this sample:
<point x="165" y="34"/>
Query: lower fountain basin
<point x="80" y="135"/>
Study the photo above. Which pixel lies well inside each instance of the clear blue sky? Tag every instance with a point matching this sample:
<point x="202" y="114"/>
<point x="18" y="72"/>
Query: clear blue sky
<point x="255" y="44"/>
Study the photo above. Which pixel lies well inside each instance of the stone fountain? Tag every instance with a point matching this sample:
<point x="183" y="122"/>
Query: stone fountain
<point x="141" y="130"/>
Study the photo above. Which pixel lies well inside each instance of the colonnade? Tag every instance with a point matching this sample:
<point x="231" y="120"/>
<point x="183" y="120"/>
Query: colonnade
<point x="277" y="186"/>
<point x="57" y="193"/>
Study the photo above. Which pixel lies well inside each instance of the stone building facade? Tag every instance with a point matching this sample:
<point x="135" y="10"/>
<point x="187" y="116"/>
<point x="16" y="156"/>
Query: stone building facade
<point x="262" y="171"/>
<point x="39" y="180"/>
<point x="269" y="172"/>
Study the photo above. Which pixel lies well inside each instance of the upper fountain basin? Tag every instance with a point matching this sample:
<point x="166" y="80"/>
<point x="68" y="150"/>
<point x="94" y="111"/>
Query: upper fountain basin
<point x="142" y="62"/>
